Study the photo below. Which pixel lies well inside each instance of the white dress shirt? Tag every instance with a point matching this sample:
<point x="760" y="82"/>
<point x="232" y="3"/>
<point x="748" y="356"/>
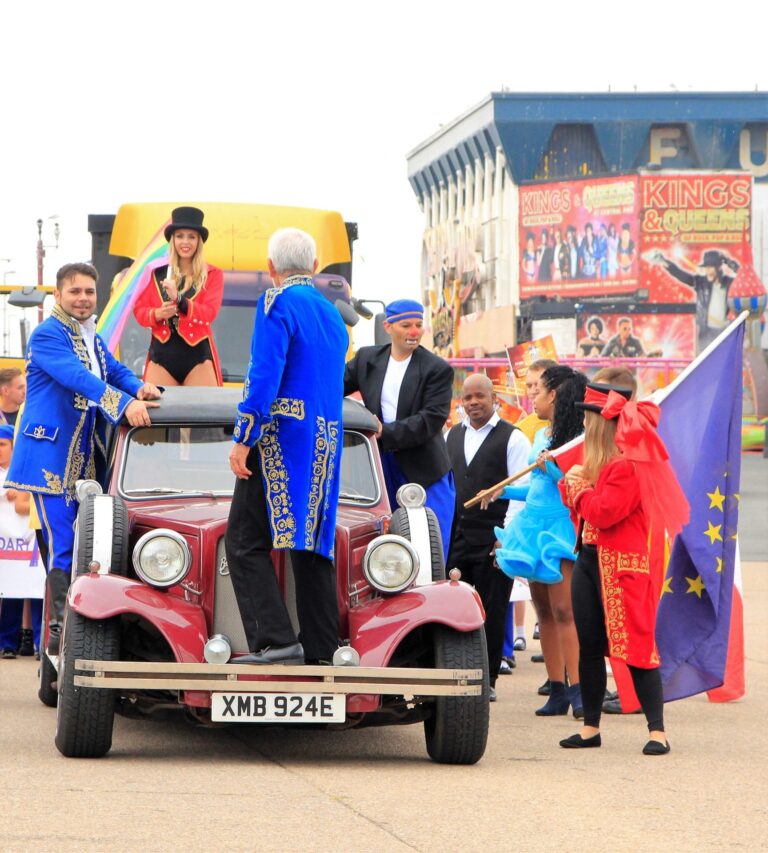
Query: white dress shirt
<point x="518" y="451"/>
<point x="390" y="390"/>
<point x="88" y="329"/>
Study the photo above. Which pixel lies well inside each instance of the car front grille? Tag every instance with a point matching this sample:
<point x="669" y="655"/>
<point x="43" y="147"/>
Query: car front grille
<point x="226" y="614"/>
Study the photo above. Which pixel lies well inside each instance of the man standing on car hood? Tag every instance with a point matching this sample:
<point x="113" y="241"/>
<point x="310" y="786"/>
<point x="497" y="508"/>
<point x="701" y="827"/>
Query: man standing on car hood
<point x="286" y="457"/>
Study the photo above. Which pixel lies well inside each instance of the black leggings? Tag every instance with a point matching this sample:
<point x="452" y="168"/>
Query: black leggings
<point x="589" y="616"/>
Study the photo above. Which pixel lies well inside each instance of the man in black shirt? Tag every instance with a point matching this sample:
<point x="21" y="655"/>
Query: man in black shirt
<point x="624" y="344"/>
<point x="13" y="392"/>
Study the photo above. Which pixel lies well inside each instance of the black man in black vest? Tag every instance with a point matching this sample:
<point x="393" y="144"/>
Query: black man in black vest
<point x="483" y="450"/>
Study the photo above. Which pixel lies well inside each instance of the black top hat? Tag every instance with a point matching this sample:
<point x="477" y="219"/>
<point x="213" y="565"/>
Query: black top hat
<point x="187" y="217"/>
<point x="712" y="258"/>
<point x="594" y="402"/>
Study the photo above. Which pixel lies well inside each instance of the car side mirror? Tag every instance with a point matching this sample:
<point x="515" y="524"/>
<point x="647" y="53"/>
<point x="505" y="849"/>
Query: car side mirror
<point x="348" y="313"/>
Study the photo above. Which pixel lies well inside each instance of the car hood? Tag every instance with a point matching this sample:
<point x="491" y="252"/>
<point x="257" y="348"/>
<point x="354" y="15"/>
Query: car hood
<point x="196" y="514"/>
<point x="188" y="515"/>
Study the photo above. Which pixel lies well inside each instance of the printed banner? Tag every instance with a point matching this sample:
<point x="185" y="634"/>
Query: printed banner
<point x="635" y="335"/>
<point x="694" y="237"/>
<point x="21" y="571"/>
<point x="522" y="355"/>
<point x="579" y="238"/>
<point x="507" y="398"/>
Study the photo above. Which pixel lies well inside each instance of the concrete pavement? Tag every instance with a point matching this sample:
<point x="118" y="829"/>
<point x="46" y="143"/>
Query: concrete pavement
<point x="169" y="785"/>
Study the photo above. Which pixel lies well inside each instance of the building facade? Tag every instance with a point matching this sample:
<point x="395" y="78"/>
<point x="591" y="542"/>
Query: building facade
<point x="469" y="178"/>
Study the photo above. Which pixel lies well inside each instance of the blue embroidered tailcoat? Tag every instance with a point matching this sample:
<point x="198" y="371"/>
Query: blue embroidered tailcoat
<point x="61" y="439"/>
<point x="291" y="409"/>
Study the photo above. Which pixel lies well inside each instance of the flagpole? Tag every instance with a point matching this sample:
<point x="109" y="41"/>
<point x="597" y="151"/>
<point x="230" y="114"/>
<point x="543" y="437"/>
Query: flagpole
<point x="660" y="394"/>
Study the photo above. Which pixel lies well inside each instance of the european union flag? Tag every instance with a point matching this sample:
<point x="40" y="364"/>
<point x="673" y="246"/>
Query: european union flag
<point x="701" y="427"/>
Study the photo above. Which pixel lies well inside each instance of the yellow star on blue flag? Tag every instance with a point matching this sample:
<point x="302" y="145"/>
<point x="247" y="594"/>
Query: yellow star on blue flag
<point x="716" y="499"/>
<point x="713" y="531"/>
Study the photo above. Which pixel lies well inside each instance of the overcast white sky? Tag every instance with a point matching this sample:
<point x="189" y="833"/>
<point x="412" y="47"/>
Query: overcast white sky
<point x="307" y="103"/>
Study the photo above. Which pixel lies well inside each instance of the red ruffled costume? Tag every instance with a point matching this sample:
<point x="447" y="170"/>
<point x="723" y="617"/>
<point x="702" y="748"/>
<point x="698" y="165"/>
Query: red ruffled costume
<point x="635" y="502"/>
<point x="614" y="521"/>
<point x="195" y="325"/>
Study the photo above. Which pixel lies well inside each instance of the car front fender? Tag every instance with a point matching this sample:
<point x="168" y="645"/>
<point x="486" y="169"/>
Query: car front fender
<point x="377" y="627"/>
<point x="180" y="622"/>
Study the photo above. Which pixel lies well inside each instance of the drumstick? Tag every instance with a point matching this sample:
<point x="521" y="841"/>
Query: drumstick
<point x="480" y="495"/>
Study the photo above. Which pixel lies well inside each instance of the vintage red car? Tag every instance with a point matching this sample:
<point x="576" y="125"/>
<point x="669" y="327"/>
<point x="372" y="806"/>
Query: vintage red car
<point x="151" y="618"/>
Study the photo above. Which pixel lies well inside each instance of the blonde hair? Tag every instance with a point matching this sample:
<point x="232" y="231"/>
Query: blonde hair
<point x="194" y="282"/>
<point x="599" y="433"/>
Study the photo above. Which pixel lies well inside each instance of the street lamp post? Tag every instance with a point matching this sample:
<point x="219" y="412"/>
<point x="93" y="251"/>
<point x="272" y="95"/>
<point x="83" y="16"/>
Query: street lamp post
<point x="41" y="254"/>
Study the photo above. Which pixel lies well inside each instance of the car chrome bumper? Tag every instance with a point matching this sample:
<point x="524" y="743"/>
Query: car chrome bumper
<point x="234" y="678"/>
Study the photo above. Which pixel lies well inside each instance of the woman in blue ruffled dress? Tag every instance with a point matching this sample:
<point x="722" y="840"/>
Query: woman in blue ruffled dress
<point x="539" y="542"/>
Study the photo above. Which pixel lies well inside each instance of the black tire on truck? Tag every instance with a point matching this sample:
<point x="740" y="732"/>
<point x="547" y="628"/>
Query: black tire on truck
<point x="399" y="525"/>
<point x="457" y="730"/>
<point x="85" y="715"/>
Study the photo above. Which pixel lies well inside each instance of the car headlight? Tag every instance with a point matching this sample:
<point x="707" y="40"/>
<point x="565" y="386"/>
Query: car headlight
<point x="83" y="488"/>
<point x="411" y="496"/>
<point x="162" y="558"/>
<point x="390" y="563"/>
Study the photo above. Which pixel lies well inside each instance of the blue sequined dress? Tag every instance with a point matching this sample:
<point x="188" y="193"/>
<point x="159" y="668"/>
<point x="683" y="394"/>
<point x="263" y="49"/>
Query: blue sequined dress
<point x="542" y="533"/>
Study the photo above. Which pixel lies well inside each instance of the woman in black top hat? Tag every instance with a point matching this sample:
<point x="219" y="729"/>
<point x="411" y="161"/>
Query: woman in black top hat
<point x="179" y="304"/>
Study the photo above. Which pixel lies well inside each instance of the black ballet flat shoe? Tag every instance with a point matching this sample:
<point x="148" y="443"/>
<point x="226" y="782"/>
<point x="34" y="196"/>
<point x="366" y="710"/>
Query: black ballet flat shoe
<point x="579" y="742"/>
<point x="653" y="747"/>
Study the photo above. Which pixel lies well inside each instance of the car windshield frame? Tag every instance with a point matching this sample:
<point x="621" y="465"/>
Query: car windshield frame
<point x="158" y="492"/>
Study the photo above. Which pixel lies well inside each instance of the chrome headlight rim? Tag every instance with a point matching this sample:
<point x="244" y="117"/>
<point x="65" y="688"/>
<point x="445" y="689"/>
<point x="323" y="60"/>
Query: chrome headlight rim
<point x="83" y="488"/>
<point x="390" y="538"/>
<point x="411" y="496"/>
<point x="161" y="532"/>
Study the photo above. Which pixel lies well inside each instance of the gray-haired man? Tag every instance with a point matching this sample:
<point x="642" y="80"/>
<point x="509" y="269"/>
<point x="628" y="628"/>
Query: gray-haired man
<point x="286" y="455"/>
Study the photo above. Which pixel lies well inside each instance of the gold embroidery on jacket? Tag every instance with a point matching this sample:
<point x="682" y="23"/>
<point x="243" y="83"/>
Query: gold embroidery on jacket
<point x="323" y="464"/>
<point x="273" y="292"/>
<point x="61" y="315"/>
<point x="333" y="437"/>
<point x="248" y="426"/>
<point x="613" y="602"/>
<point x="53" y="481"/>
<point x="288" y="407"/>
<point x="110" y="402"/>
<point x="281" y="518"/>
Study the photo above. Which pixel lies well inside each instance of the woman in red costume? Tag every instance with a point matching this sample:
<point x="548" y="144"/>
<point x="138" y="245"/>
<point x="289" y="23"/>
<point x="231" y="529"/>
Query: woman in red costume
<point x="625" y="489"/>
<point x="179" y="304"/>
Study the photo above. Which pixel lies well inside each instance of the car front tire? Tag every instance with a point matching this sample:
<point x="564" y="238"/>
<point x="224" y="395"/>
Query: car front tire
<point x="85" y="715"/>
<point x="457" y="730"/>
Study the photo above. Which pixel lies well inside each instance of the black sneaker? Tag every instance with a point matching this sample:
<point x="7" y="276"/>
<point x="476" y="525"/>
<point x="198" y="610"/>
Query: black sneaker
<point x="536" y="632"/>
<point x="8" y="654"/>
<point x="545" y="688"/>
<point x="27" y="646"/>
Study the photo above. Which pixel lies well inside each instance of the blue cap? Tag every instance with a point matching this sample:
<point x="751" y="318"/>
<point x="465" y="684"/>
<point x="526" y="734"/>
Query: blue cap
<point x="6" y="432"/>
<point x="404" y="309"/>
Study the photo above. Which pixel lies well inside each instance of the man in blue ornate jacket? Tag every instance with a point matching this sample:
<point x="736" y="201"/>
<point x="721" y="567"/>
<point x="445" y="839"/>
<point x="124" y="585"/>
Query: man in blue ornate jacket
<point x="286" y="457"/>
<point x="75" y="388"/>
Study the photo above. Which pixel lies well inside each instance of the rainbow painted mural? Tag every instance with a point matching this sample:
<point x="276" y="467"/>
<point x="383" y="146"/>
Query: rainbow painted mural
<point x="130" y="283"/>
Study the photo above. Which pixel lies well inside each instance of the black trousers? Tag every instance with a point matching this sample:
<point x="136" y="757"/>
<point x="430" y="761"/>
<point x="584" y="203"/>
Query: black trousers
<point x="589" y="616"/>
<point x="248" y="545"/>
<point x="478" y="568"/>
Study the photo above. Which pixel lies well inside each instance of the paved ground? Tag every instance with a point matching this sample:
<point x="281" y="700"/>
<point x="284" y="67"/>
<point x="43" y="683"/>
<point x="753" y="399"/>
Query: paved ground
<point x="753" y="519"/>
<point x="168" y="785"/>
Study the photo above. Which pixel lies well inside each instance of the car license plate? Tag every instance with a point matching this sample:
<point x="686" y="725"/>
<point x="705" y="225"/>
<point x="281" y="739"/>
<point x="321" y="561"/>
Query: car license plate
<point x="278" y="707"/>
